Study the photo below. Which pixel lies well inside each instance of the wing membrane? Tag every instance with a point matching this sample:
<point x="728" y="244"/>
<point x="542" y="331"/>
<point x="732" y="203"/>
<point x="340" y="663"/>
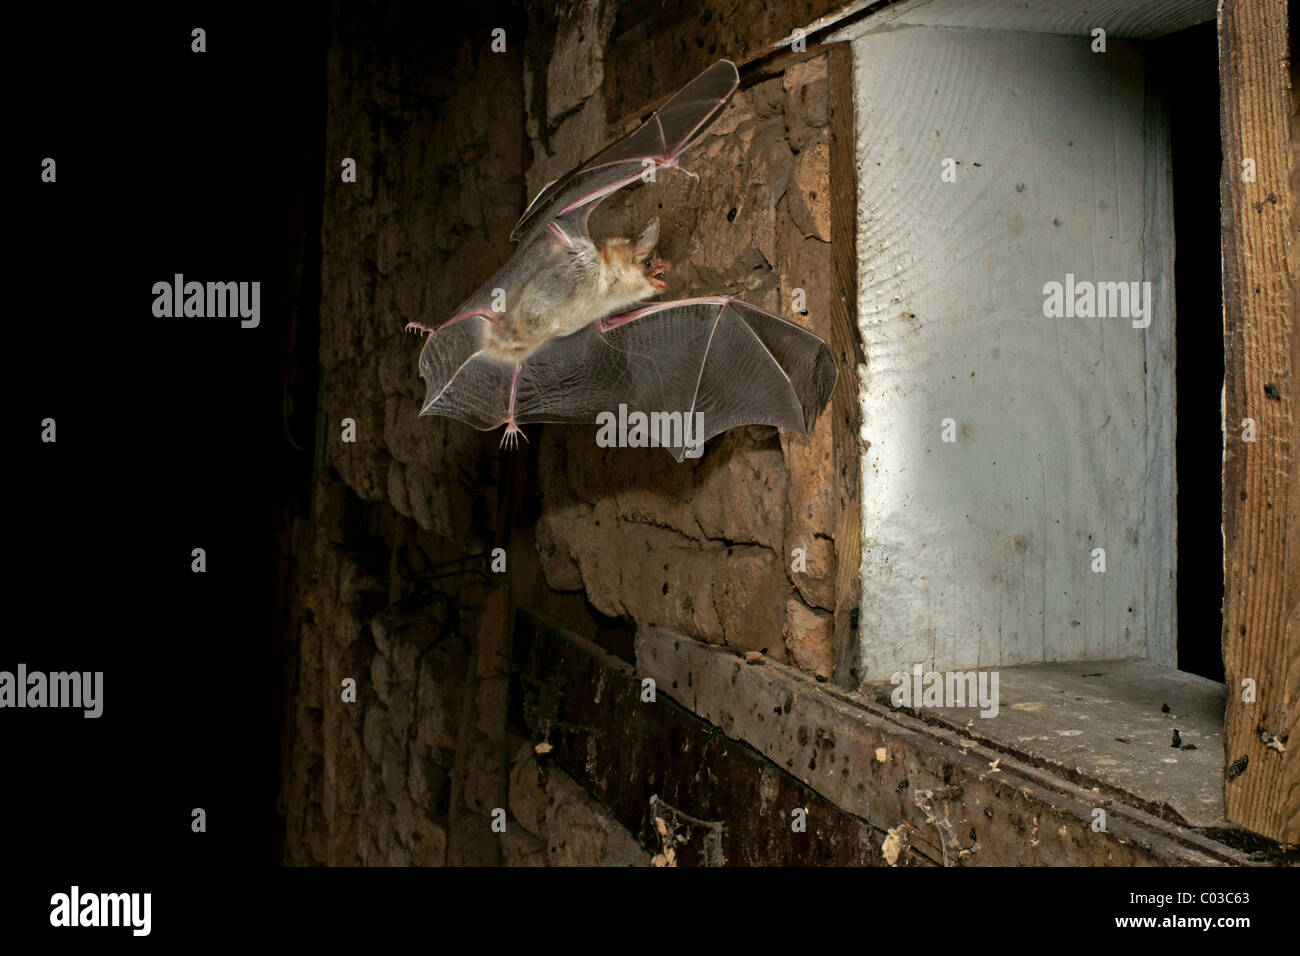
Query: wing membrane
<point x="662" y="138"/>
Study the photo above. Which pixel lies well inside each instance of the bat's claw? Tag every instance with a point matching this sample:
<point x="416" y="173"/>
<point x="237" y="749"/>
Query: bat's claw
<point x="419" y="327"/>
<point x="510" y="439"/>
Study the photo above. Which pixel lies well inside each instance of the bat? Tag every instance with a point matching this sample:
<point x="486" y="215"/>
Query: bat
<point x="565" y="331"/>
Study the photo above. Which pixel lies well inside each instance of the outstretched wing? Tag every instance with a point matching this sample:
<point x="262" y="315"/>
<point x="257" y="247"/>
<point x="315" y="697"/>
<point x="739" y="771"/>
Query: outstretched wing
<point x="461" y="380"/>
<point x="661" y="139"/>
<point x="729" y="362"/>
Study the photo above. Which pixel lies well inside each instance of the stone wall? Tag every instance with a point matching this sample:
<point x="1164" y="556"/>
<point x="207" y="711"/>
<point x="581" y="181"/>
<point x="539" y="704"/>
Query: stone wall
<point x="434" y="122"/>
<point x="704" y="547"/>
<point x="390" y="570"/>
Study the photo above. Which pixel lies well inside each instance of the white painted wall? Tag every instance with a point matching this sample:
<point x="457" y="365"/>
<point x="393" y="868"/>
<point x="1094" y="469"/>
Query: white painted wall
<point x="977" y="553"/>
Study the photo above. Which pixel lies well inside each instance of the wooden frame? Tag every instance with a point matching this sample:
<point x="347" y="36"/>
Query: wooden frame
<point x="877" y="786"/>
<point x="1261" y="483"/>
<point x="846" y="345"/>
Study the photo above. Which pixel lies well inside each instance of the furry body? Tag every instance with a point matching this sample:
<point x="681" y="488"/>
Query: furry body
<point x="577" y="283"/>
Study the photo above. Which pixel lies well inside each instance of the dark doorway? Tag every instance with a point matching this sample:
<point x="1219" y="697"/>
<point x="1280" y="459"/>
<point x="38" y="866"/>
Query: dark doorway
<point x="1185" y="66"/>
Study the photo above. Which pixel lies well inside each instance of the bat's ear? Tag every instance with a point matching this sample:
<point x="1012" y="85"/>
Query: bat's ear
<point x="649" y="238"/>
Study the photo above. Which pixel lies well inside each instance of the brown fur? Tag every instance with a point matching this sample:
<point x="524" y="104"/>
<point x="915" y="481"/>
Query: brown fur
<point x="577" y="286"/>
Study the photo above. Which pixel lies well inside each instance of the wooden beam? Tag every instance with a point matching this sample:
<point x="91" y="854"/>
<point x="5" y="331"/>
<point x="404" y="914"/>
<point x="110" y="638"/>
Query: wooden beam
<point x="701" y="774"/>
<point x="846" y="346"/>
<point x="1121" y="18"/>
<point x="664" y="772"/>
<point x="1261" y="620"/>
<point x="964" y="799"/>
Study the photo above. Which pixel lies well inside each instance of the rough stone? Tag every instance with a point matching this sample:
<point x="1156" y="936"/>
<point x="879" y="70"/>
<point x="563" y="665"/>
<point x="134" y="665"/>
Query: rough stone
<point x="491" y="701"/>
<point x="807" y="111"/>
<point x="809" y="638"/>
<point x="816" y="584"/>
<point x="734" y="496"/>
<point x="751" y="601"/>
<point x="810" y="192"/>
<point x="554" y="813"/>
<point x="527" y="793"/>
<point x="576" y="68"/>
<point x="520" y="848"/>
<point x="429" y="844"/>
<point x="483" y="780"/>
<point x="582" y="833"/>
<point x="558" y="563"/>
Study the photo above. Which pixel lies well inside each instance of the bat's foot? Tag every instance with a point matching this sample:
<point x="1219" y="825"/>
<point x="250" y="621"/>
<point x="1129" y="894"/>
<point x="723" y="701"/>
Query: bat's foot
<point x="511" y="437"/>
<point x="419" y="327"/>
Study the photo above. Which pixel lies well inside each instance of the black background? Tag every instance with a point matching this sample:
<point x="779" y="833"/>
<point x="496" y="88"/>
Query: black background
<point x="1185" y="66"/>
<point x="170" y="431"/>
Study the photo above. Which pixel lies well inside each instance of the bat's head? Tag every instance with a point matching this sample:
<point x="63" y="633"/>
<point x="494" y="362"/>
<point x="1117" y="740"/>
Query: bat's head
<point x="634" y="266"/>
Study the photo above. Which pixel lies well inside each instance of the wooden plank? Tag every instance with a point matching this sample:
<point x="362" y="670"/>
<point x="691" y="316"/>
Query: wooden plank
<point x="1119" y="18"/>
<point x="834" y="741"/>
<point x="1111" y="724"/>
<point x="650" y="762"/>
<point x="1261" y="620"/>
<point x="846" y="346"/>
<point x="978" y="551"/>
